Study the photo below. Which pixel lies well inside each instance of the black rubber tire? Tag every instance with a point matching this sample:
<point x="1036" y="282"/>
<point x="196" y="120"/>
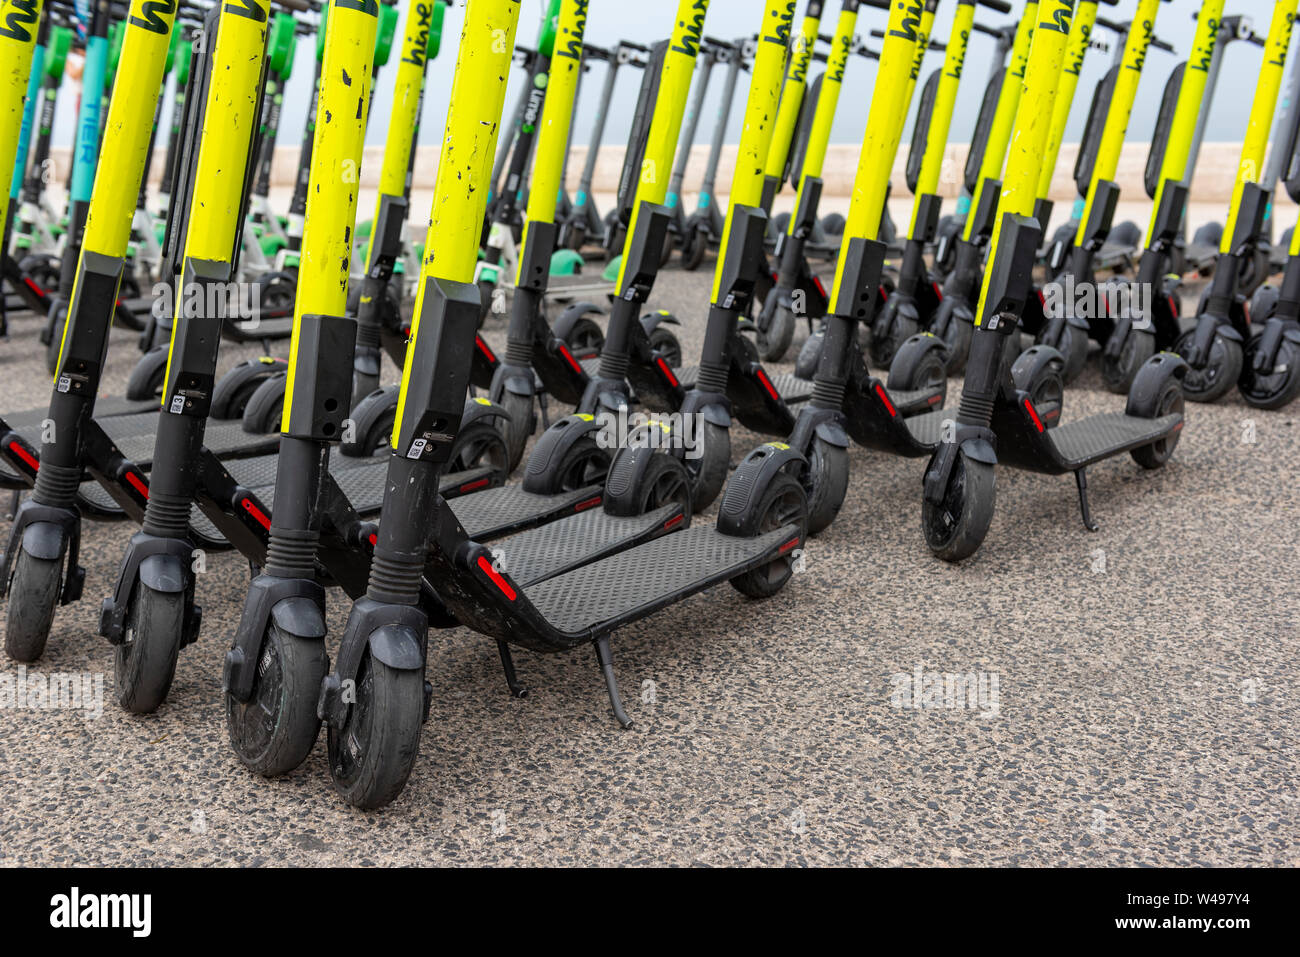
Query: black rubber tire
<point x="781" y="503"/>
<point x="478" y="444"/>
<point x="670" y="242"/>
<point x="265" y="407"/>
<point x="665" y="481"/>
<point x="781" y="222"/>
<point x="486" y="290"/>
<point x="956" y="529"/>
<point x="833" y="224"/>
<point x="274" y="731"/>
<point x="372" y="422"/>
<point x="709" y="470"/>
<point x="55" y="344"/>
<point x="888" y="335"/>
<point x="519" y="423"/>
<point x="1073" y="347"/>
<point x="585" y="338"/>
<point x="826" y="483"/>
<point x="1270" y="391"/>
<point x="146" y="379"/>
<point x="43" y="270"/>
<point x="1118" y="374"/>
<point x="1208" y="234"/>
<point x="232" y="391"/>
<point x="33" y="599"/>
<point x="805" y="365"/>
<point x="1169" y="400"/>
<point x="146" y="659"/>
<point x="773" y="344"/>
<point x="1220" y="373"/>
<point x="694" y="248"/>
<point x="957" y="337"/>
<point x="372" y="756"/>
<point x="665" y="342"/>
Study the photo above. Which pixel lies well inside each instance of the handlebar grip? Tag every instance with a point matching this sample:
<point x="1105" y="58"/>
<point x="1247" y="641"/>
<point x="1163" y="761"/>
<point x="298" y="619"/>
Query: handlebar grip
<point x="999" y="5"/>
<point x="633" y="46"/>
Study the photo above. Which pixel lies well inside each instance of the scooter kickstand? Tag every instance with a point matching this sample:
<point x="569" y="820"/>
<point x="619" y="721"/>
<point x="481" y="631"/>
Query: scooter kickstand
<point x="1081" y="479"/>
<point x="508" y="663"/>
<point x="611" y="683"/>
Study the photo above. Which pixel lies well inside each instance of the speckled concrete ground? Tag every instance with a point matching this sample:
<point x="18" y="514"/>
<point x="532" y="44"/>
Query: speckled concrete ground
<point x="1146" y="694"/>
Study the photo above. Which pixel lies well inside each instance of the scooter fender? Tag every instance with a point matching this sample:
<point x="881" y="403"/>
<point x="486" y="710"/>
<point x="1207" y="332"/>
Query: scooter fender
<point x="293" y="605"/>
<point x="510" y="379"/>
<point x="751" y="479"/>
<point x="714" y="408"/>
<point x="564" y="325"/>
<point x="163" y="573"/>
<point x="911" y="353"/>
<point x="397" y="646"/>
<point x="651" y="320"/>
<point x="1150" y="381"/>
<point x="299" y="616"/>
<point x="1230" y="332"/>
<point x="44" y="540"/>
<point x="480" y="408"/>
<point x="540" y="473"/>
<point x="824" y="424"/>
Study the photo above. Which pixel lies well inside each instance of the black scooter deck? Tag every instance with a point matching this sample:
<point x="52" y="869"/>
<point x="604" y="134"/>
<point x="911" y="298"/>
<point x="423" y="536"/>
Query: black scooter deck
<point x="105" y="407"/>
<point x="597" y="598"/>
<point x="1078" y="444"/>
<point x="535" y="555"/>
<point x="790" y="387"/>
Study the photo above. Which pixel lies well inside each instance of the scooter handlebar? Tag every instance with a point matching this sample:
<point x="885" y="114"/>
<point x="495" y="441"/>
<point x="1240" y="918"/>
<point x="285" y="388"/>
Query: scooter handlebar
<point x="997" y="5"/>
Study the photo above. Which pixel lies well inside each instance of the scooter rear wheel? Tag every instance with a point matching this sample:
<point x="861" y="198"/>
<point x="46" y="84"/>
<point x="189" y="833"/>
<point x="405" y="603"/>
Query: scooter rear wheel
<point x="667" y="345"/>
<point x="1271" y="390"/>
<point x="1169" y="400"/>
<point x="890" y="331"/>
<point x="783" y="503"/>
<point x="33" y="598"/>
<point x="585" y="338"/>
<point x="955" y="529"/>
<point x="146" y="659"/>
<point x="372" y="755"/>
<point x="1073" y="347"/>
<point x="274" y="731"/>
<point x="1219" y="374"/>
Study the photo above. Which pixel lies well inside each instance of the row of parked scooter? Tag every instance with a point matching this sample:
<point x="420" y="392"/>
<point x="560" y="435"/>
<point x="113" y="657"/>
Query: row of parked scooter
<point x="401" y="496"/>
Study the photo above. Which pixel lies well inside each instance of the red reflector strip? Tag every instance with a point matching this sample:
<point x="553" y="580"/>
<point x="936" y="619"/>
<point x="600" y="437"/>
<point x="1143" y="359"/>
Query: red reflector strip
<point x="589" y="503"/>
<point x="820" y="288"/>
<point x="934" y="400"/>
<point x="482" y="347"/>
<point x="374" y="539"/>
<point x="766" y="383"/>
<point x="470" y="486"/>
<point x="1042" y="298"/>
<point x="674" y="521"/>
<point x="1033" y="414"/>
<point x="32" y="462"/>
<point x="884" y="293"/>
<point x="137" y="483"/>
<point x="1178" y="427"/>
<point x="938" y="290"/>
<point x="662" y="363"/>
<point x="568" y="357"/>
<point x="787" y="546"/>
<point x="497" y="580"/>
<point x="884" y="397"/>
<point x="31" y="284"/>
<point x="262" y="518"/>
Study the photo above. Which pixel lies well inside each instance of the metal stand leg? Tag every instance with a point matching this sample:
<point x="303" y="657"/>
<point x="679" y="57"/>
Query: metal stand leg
<point x="508" y="663"/>
<point x="1081" y="479"/>
<point x="611" y="683"/>
<point x="15" y="499"/>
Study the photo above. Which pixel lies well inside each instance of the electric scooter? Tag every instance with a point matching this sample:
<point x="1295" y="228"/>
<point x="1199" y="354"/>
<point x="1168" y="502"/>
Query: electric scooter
<point x="1215" y="346"/>
<point x="1001" y="417"/>
<point x="375" y="699"/>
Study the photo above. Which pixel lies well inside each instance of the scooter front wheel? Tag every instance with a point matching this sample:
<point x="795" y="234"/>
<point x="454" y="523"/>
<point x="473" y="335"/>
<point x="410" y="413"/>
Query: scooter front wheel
<point x="1219" y="374"/>
<point x="892" y="329"/>
<point x="1168" y="401"/>
<point x="33" y="598"/>
<point x="955" y="529"/>
<point x="693" y="250"/>
<point x="1271" y="390"/>
<point x="274" y="731"/>
<point x="775" y="342"/>
<point x="146" y="659"/>
<point x="709" y="469"/>
<point x="1072" y="344"/>
<point x="805" y="366"/>
<point x="520" y="422"/>
<point x="826" y="483"/>
<point x="372" y="755"/>
<point x="667" y="345"/>
<point x="1119" y="372"/>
